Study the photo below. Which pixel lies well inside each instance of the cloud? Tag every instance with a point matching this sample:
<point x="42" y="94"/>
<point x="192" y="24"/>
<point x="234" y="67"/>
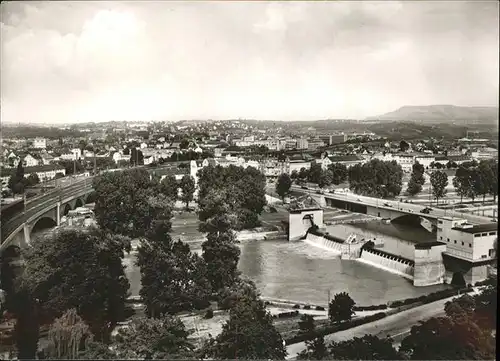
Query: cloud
<point x="81" y="61"/>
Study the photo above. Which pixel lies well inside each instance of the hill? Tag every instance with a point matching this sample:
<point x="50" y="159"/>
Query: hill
<point x="441" y="113"/>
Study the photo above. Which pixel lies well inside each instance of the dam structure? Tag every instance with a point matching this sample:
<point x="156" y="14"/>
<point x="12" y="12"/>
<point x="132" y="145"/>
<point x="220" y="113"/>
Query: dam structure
<point x="428" y="263"/>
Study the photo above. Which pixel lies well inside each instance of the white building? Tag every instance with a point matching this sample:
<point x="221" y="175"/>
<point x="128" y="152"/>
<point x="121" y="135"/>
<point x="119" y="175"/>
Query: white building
<point x="119" y="156"/>
<point x="30" y="161"/>
<point x="39" y="143"/>
<point x="467" y="241"/>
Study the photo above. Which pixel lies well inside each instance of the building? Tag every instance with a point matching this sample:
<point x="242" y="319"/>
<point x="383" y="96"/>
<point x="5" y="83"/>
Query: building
<point x="315" y="144"/>
<point x="467" y="241"/>
<point x="302" y="143"/>
<point x="39" y="143"/>
<point x="44" y="172"/>
<point x="30" y="161"/>
<point x="338" y="138"/>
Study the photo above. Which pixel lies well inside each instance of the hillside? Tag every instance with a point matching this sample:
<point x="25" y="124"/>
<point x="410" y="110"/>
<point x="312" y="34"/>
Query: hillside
<point x="441" y="113"/>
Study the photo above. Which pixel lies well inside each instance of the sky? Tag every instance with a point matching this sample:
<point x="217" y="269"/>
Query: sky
<point x="69" y="61"/>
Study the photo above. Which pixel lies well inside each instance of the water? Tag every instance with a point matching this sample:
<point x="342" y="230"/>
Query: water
<point x="301" y="272"/>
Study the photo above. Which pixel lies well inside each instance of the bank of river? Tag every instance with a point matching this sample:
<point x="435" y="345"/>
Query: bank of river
<point x="298" y="271"/>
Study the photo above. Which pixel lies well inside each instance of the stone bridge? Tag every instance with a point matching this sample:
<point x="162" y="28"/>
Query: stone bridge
<point x="44" y="212"/>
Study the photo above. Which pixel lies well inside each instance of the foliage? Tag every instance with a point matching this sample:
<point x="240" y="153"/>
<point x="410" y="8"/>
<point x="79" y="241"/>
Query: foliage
<point x="26" y="329"/>
<point x="240" y="188"/>
<point x="96" y="351"/>
<point x="17" y="182"/>
<point x="68" y="335"/>
<point x="439" y="181"/>
<point x="229" y="296"/>
<point x="485" y="312"/>
<point x="82" y="270"/>
<point x="315" y="350"/>
<point x="71" y="166"/>
<point x="376" y="178"/>
<point x="314" y="173"/>
<point x="306" y="324"/>
<point x="169" y="187"/>
<point x="33" y="179"/>
<point x="122" y="201"/>
<point x="136" y="157"/>
<point x="283" y="185"/>
<point x="339" y="173"/>
<point x="173" y="278"/>
<point x="448" y="338"/>
<point x="248" y="334"/>
<point x="221" y="256"/>
<point x="154" y="339"/>
<point x="341" y="308"/>
<point x="368" y="347"/>
<point x="417" y="179"/>
<point x="188" y="187"/>
<point x="404" y="146"/>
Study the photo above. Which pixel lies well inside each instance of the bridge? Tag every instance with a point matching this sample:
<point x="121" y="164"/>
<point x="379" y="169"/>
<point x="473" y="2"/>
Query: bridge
<point x="44" y="211"/>
<point x="390" y="209"/>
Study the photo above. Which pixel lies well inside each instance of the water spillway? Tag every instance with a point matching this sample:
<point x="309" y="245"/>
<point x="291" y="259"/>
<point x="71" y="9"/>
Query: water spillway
<point x="386" y="261"/>
<point x="324" y="243"/>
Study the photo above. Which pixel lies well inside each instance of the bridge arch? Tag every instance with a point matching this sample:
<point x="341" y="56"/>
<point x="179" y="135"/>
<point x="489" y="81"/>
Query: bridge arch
<point x="43" y="223"/>
<point x="66" y="209"/>
<point x="79" y="203"/>
<point x="410" y="219"/>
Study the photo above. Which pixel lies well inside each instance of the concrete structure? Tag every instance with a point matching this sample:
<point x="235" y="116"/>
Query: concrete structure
<point x="429" y="266"/>
<point x="304" y="213"/>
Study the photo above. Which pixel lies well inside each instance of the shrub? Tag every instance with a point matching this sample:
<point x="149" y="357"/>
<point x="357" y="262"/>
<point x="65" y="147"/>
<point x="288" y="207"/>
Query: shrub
<point x="307" y="307"/>
<point x="320" y="308"/>
<point x="296" y="306"/>
<point x="370" y="308"/>
<point x="209" y="314"/>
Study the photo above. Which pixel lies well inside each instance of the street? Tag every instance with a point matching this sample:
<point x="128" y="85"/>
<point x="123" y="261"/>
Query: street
<point x="397" y="325"/>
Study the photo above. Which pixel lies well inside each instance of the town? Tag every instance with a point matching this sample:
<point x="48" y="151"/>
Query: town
<point x="261" y="180"/>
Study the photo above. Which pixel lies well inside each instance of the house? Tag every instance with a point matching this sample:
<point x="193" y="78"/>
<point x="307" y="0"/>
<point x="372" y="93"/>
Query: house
<point x="149" y="160"/>
<point x="47" y="158"/>
<point x="348" y="160"/>
<point x="30" y="161"/>
<point x="39" y="143"/>
<point x="119" y="157"/>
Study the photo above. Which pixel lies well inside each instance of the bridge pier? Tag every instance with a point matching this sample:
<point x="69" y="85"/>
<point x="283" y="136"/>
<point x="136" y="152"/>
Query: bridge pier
<point x="27" y="232"/>
<point x="58" y="215"/>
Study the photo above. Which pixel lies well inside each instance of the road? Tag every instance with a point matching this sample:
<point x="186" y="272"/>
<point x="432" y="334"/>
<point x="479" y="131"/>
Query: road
<point x="397" y="326"/>
<point x="397" y="205"/>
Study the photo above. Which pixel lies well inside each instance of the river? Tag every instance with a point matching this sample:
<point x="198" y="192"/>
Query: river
<point x="301" y="272"/>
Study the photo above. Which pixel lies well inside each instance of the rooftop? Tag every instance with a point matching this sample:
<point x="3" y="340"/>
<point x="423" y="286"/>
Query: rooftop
<point x="477" y="228"/>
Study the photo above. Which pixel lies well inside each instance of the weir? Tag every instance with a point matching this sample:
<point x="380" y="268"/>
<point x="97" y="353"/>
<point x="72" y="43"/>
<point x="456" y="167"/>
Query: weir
<point x="386" y="261"/>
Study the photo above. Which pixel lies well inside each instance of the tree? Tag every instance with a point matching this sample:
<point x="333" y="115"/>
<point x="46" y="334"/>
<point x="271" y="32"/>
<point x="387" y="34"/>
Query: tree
<point x="33" y="179"/>
<point x="376" y="178"/>
<point x="184" y="144"/>
<point x="325" y="178"/>
<point x="122" y="201"/>
<point x="17" y="181"/>
<point x="339" y="173"/>
<point x="414" y="187"/>
<point x="460" y="307"/>
<point x="97" y="351"/>
<point x="447" y="338"/>
<point x="483" y="177"/>
<point x="283" y="185"/>
<point x="82" y="270"/>
<point x="294" y="175"/>
<point x="248" y="334"/>
<point x="26" y="330"/>
<point x="68" y="336"/>
<point x="462" y="182"/>
<point x="314" y="173"/>
<point x="315" y="348"/>
<point x="368" y="347"/>
<point x="485" y="312"/>
<point x="341" y="308"/>
<point x="404" y="146"/>
<point x="136" y="157"/>
<point x="439" y="181"/>
<point x="493" y="181"/>
<point x="187" y="187"/>
<point x="169" y="187"/>
<point x="154" y="339"/>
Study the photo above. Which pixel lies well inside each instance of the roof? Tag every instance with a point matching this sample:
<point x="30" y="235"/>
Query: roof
<point x="6" y="172"/>
<point x="345" y="158"/>
<point x="478" y="228"/>
<point x="427" y="245"/>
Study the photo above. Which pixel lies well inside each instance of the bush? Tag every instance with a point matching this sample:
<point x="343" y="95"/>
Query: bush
<point x="332" y="328"/>
<point x="306" y="307"/>
<point x="209" y="314"/>
<point x="370" y="308"/>
<point x="272" y="210"/>
<point x="320" y="308"/>
<point x="287" y="314"/>
<point x="296" y="306"/>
